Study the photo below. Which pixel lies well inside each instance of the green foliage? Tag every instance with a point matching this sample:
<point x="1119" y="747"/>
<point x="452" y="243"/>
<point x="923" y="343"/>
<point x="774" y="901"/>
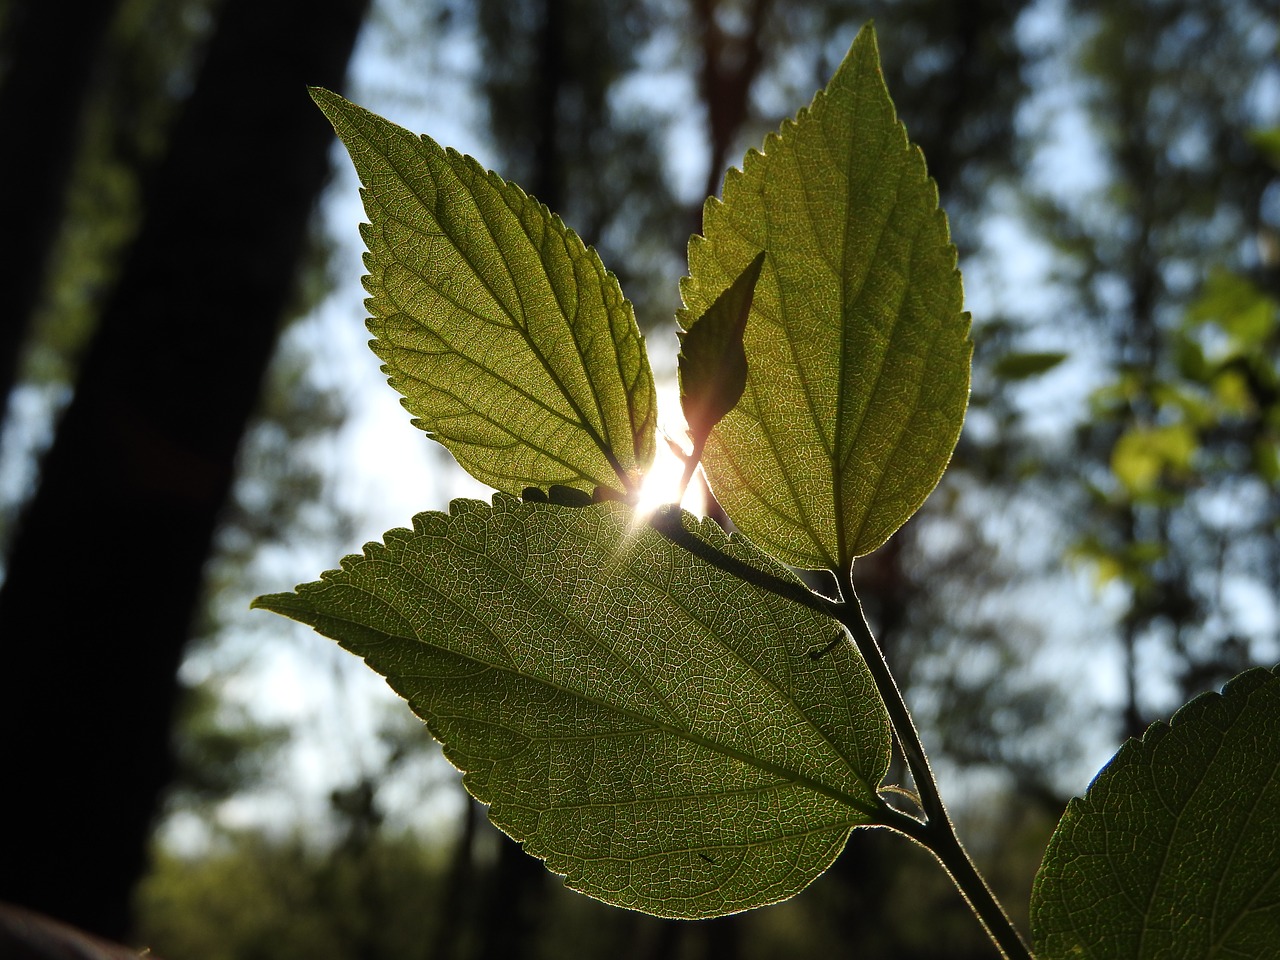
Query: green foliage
<point x="255" y="897"/>
<point x="662" y="712"/>
<point x="485" y="304"/>
<point x="858" y="347"/>
<point x="653" y="727"/>
<point x="1173" y="851"/>
<point x="1021" y="366"/>
<point x="1143" y="455"/>
<point x="1220" y="406"/>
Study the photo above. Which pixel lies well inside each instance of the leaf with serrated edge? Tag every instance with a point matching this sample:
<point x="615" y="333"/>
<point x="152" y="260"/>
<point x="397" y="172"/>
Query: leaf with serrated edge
<point x="1174" y="851"/>
<point x="509" y="341"/>
<point x="858" y="347"/>
<point x="652" y="727"/>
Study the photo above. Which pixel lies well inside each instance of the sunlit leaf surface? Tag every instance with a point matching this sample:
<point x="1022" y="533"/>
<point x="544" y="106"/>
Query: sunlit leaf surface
<point x="510" y="342"/>
<point x="652" y="727"/>
<point x="1174" y="851"/>
<point x="858" y="349"/>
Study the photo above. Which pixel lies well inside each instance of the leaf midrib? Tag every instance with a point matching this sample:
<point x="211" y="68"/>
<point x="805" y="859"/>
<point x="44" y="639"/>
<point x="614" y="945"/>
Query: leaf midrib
<point x="838" y="464"/>
<point x="517" y="440"/>
<point x="785" y="695"/>
<point x="802" y="518"/>
<point x="562" y="239"/>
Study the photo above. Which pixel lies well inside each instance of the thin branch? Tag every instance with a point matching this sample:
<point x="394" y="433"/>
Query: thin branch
<point x="667" y="521"/>
<point x="936" y="833"/>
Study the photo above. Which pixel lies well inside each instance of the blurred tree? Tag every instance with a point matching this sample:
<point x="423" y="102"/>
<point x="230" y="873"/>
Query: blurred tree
<point x="220" y="751"/>
<point x="555" y="82"/>
<point x="131" y="490"/>
<point x="98" y="154"/>
<point x="256" y="898"/>
<point x="1182" y="505"/>
<point x="42" y="99"/>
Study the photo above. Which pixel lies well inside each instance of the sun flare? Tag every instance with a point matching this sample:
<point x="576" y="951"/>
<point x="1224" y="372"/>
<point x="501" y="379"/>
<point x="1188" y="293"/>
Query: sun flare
<point x="662" y="484"/>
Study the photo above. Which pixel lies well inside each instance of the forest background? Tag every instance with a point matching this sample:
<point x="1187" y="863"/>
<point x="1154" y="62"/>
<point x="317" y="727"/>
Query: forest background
<point x="191" y="419"/>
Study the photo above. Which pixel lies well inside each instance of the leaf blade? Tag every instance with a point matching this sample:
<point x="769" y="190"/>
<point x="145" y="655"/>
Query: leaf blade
<point x="506" y="337"/>
<point x="712" y="365"/>
<point x="652" y="727"/>
<point x="824" y="458"/>
<point x="1174" y="851"/>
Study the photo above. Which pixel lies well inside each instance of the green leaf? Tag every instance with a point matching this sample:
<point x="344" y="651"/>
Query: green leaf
<point x="1021" y="366"/>
<point x="1174" y="851"/>
<point x="651" y="726"/>
<point x="1267" y="141"/>
<point x="510" y="342"/>
<point x="1143" y="455"/>
<point x="1240" y="308"/>
<point x="712" y="363"/>
<point x="858" y="347"/>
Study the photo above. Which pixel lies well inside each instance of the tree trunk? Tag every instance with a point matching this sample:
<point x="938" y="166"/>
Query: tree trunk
<point x="511" y="912"/>
<point x="107" y="563"/>
<point x="42" y="97"/>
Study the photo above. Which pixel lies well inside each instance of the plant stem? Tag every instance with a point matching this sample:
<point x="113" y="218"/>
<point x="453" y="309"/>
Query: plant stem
<point x="936" y="833"/>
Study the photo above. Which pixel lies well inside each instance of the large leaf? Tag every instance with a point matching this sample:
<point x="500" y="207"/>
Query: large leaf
<point x="652" y="727"/>
<point x="511" y="343"/>
<point x="1174" y="851"/>
<point x="858" y="348"/>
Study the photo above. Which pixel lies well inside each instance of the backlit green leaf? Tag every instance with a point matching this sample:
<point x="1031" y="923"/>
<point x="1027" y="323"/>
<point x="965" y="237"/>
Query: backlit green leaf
<point x="858" y="348"/>
<point x="651" y="726"/>
<point x="1021" y="366"/>
<point x="1142" y="455"/>
<point x="1174" y="852"/>
<point x="510" y="342"/>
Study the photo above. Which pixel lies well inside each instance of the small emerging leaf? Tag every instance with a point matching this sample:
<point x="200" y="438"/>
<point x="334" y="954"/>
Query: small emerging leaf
<point x="712" y="363"/>
<point x="1174" y="851"/>
<point x="510" y="342"/>
<point x="858" y="347"/>
<point x="651" y="726"/>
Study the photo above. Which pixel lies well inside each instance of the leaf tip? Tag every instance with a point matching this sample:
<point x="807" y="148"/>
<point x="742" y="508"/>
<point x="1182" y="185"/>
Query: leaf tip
<point x="329" y="102"/>
<point x="280" y="603"/>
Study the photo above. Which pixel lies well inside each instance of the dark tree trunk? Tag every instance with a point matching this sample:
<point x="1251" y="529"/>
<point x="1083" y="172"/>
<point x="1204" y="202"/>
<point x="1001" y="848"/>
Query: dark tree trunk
<point x="729" y="66"/>
<point x="106" y="567"/>
<point x="456" y="900"/>
<point x="549" y="81"/>
<point x="510" y="913"/>
<point x="51" y="57"/>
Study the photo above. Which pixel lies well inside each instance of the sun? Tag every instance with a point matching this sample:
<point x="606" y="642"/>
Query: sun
<point x="662" y="484"/>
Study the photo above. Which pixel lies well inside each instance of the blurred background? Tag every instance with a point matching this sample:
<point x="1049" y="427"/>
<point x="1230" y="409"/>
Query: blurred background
<point x="191" y="418"/>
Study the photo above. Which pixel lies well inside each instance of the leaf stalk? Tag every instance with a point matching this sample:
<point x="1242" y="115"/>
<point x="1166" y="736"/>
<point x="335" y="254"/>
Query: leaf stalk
<point x="936" y="833"/>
